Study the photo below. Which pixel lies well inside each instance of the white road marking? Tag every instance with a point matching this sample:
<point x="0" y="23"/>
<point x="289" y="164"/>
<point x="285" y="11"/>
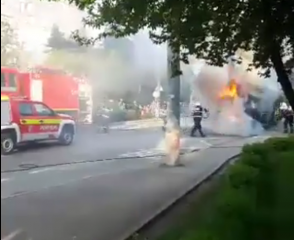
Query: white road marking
<point x="12" y="235"/>
<point x="88" y="176"/>
<point x="76" y="180"/>
<point x="206" y="143"/>
<point x="261" y="137"/>
<point x="40" y="170"/>
<point x="5" y="180"/>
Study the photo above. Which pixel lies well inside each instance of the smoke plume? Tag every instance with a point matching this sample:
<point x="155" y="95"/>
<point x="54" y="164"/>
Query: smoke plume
<point x="230" y="118"/>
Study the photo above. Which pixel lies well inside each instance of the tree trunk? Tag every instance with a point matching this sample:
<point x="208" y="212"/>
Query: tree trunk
<point x="283" y="77"/>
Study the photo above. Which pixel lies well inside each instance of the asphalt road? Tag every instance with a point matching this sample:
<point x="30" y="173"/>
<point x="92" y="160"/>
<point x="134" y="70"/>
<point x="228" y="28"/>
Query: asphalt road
<point x="87" y="146"/>
<point x="98" y="200"/>
<point x="92" y="146"/>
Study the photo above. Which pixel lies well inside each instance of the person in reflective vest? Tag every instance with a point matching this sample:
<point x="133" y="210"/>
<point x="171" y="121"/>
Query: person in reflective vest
<point x="288" y="116"/>
<point x="198" y="114"/>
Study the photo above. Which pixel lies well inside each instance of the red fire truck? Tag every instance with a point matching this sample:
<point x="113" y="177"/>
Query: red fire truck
<point x="55" y="88"/>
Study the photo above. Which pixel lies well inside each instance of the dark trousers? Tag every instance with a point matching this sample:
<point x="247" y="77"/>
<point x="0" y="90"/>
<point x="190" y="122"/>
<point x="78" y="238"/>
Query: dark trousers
<point x="197" y="127"/>
<point x="288" y="124"/>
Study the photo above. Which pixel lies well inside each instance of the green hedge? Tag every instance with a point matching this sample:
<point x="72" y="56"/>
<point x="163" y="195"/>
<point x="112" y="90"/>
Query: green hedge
<point x="257" y="196"/>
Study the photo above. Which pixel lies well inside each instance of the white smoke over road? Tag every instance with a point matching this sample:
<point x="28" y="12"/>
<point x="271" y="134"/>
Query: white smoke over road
<point x="231" y="118"/>
<point x="145" y="66"/>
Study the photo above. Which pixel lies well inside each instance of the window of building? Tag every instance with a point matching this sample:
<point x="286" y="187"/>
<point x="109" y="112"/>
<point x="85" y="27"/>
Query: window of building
<point x="26" y="109"/>
<point x="22" y="6"/>
<point x="26" y="7"/>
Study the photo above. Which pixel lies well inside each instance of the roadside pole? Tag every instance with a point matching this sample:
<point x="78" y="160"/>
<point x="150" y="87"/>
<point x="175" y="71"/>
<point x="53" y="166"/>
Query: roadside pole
<point x="174" y="83"/>
<point x="173" y="129"/>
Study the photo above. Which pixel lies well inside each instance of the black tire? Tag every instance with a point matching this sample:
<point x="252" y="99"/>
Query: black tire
<point x="7" y="143"/>
<point x="67" y="135"/>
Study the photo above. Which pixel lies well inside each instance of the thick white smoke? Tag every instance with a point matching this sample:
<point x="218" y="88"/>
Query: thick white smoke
<point x="231" y="118"/>
<point x="145" y="66"/>
<point x="148" y="56"/>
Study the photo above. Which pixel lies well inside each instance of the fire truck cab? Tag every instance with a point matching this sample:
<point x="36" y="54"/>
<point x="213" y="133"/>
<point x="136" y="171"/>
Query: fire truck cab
<point x="24" y="121"/>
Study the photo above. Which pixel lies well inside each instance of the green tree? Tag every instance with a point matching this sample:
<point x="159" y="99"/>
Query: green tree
<point x="208" y="29"/>
<point x="104" y="67"/>
<point x="10" y="47"/>
<point x="106" y="70"/>
<point x="68" y="61"/>
<point x="65" y="53"/>
<point x="123" y="46"/>
<point x="58" y="41"/>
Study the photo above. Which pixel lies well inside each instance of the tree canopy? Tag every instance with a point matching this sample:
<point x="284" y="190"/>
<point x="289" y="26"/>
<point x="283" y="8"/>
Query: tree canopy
<point x="10" y="47"/>
<point x="105" y="68"/>
<point x="123" y="46"/>
<point x="58" y="41"/>
<point x="208" y="29"/>
<point x="66" y="54"/>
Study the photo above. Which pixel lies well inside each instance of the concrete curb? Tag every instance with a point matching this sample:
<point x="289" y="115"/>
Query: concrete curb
<point x="169" y="205"/>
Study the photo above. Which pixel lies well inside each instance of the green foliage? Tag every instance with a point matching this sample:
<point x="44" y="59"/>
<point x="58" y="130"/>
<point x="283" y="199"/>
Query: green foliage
<point x="252" y="201"/>
<point x="10" y="47"/>
<point x="122" y="46"/>
<point x="284" y="213"/>
<point x="256" y="197"/>
<point x="242" y="176"/>
<point x="281" y="144"/>
<point x="64" y="53"/>
<point x="57" y="41"/>
<point x="209" y="29"/>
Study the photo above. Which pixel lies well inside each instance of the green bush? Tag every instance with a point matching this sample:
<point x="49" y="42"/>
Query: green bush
<point x="241" y="175"/>
<point x="280" y="144"/>
<point x="257" y="195"/>
<point x="284" y="196"/>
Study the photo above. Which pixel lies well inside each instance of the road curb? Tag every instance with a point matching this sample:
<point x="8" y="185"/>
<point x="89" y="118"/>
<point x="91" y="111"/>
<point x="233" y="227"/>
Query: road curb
<point x="173" y="202"/>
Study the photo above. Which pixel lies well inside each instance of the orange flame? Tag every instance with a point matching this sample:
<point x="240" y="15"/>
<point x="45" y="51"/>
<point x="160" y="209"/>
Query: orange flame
<point x="230" y="91"/>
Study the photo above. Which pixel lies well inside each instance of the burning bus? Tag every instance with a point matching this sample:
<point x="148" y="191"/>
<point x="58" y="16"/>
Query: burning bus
<point x="234" y="98"/>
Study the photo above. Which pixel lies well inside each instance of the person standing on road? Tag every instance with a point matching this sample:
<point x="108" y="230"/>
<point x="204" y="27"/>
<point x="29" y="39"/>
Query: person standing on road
<point x="286" y="113"/>
<point x="288" y="121"/>
<point x="198" y="114"/>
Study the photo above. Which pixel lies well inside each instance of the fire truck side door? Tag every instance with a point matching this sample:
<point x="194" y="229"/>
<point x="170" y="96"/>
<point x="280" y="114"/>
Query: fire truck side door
<point x="28" y="122"/>
<point x="49" y="122"/>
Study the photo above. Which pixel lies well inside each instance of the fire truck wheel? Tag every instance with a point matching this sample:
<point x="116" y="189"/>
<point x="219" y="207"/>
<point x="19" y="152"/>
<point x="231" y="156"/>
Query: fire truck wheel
<point x="67" y="135"/>
<point x="7" y="143"/>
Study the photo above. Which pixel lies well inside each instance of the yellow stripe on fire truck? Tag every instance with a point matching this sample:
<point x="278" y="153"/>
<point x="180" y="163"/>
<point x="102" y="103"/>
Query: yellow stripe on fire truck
<point x="39" y="121"/>
<point x="4" y="98"/>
